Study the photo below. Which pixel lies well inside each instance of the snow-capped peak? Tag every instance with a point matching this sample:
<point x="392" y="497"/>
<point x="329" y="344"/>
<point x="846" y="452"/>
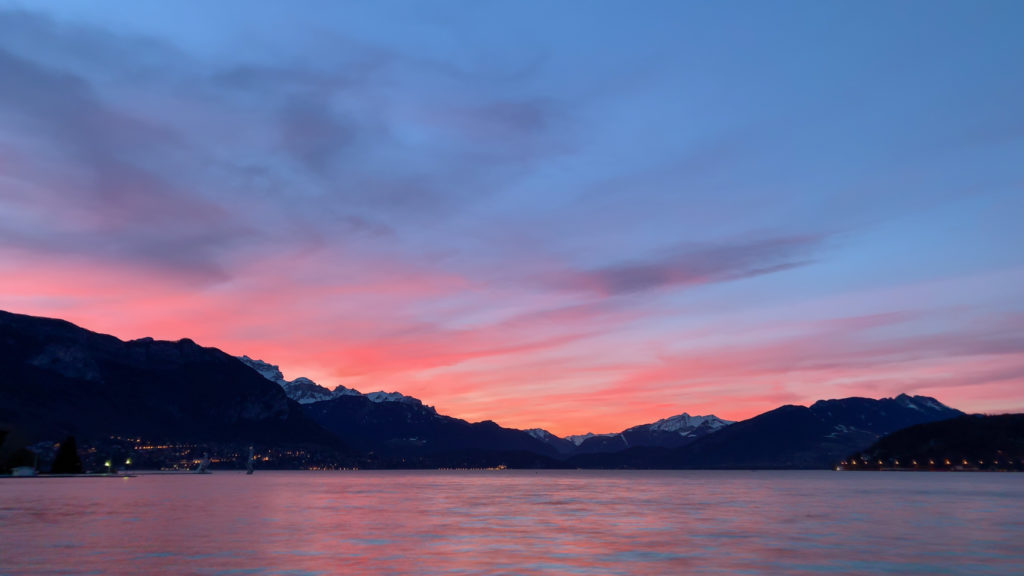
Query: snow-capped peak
<point x="302" y="390"/>
<point x="921" y="403"/>
<point x="342" y="391"/>
<point x="578" y="439"/>
<point x="684" y="423"/>
<point x="541" y="434"/>
<point x="382" y="396"/>
<point x="267" y="370"/>
<point x="305" y="391"/>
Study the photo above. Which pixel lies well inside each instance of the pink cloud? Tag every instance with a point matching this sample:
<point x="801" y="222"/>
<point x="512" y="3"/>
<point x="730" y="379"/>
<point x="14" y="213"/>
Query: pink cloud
<point x="570" y="368"/>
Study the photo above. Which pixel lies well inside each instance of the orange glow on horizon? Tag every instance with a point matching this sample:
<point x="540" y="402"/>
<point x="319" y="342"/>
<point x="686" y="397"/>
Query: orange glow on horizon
<point x="561" y="369"/>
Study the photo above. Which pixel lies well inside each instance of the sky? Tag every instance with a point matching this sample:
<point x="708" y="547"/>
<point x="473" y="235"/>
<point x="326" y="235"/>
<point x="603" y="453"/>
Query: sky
<point x="579" y="216"/>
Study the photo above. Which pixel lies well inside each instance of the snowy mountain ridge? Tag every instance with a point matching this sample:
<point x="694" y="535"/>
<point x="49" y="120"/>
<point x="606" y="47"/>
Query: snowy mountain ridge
<point x="668" y="432"/>
<point x="578" y="439"/>
<point x="305" y="391"/>
<point x="685" y="424"/>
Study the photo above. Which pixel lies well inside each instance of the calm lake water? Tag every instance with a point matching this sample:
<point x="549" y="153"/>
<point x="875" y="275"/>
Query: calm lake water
<point x="516" y="522"/>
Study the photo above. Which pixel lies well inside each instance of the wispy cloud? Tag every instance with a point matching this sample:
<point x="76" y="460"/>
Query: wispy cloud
<point x="165" y="161"/>
<point x="694" y="266"/>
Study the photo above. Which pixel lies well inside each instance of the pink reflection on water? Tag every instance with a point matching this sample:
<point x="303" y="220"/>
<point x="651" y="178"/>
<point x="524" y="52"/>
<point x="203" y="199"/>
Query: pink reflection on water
<point x="514" y="522"/>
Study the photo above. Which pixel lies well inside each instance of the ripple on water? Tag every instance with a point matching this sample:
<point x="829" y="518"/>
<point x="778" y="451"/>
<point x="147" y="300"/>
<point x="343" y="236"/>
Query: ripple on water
<point x="448" y="523"/>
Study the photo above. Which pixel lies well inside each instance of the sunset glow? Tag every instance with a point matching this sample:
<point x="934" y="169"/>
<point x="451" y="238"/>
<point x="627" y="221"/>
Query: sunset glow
<point x="515" y="215"/>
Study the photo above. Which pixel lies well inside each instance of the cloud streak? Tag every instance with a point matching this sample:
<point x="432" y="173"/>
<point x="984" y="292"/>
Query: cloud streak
<point x="694" y="266"/>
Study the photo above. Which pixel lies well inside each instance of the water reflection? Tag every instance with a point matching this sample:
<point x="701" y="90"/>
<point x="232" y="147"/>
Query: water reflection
<point x="637" y="523"/>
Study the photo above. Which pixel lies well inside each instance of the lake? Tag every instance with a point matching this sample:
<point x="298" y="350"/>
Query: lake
<point x="516" y="522"/>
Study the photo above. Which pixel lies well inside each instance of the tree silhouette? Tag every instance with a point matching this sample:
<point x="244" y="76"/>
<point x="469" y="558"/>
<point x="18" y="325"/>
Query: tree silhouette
<point x="67" y="460"/>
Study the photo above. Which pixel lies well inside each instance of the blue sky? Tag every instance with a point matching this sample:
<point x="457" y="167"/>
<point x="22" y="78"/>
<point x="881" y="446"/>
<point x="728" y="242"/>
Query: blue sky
<point x="571" y="215"/>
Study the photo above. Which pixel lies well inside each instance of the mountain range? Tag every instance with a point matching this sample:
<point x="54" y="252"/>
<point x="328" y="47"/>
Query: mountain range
<point x="789" y="436"/>
<point x="966" y="442"/>
<point x="59" y="379"/>
<point x="393" y="423"/>
<point x="305" y="391"/>
<point x="670" y="432"/>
